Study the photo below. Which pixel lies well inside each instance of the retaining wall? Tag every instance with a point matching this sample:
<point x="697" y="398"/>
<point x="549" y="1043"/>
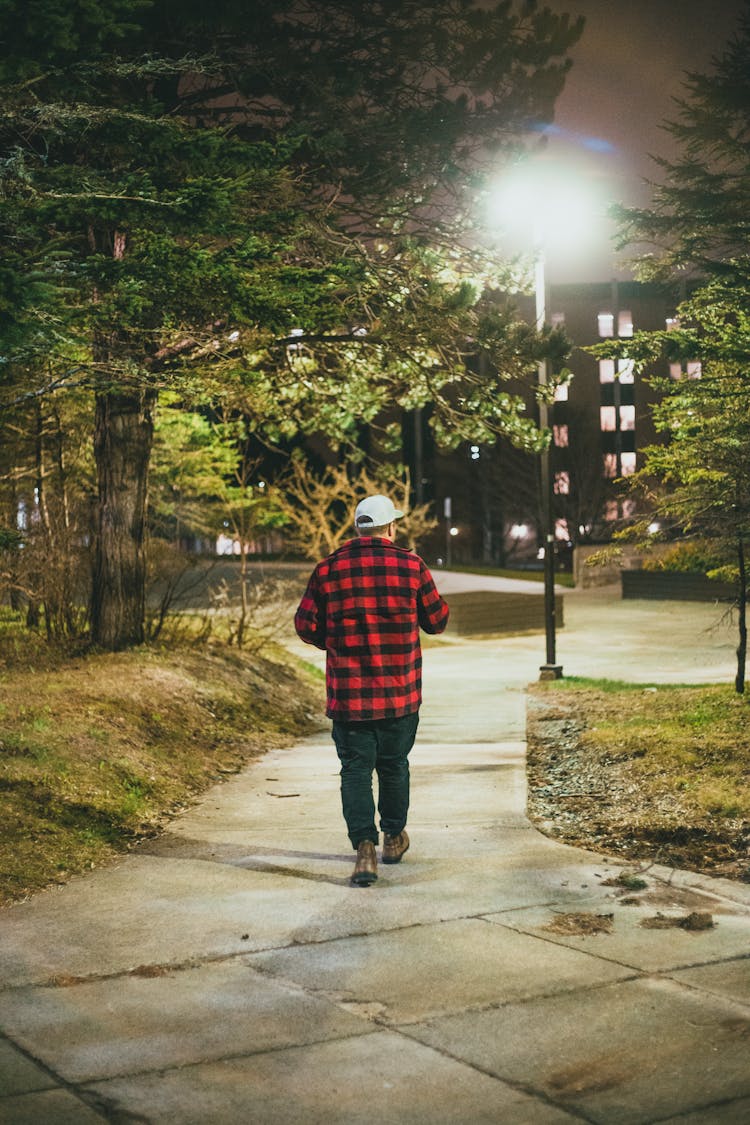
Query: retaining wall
<point x="479" y="612"/>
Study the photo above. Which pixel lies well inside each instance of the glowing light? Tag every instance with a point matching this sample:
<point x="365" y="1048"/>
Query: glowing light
<point x="548" y="200"/>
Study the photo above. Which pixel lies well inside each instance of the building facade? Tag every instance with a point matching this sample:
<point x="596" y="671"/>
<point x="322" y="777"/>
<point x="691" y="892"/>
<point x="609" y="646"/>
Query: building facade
<point x="487" y="497"/>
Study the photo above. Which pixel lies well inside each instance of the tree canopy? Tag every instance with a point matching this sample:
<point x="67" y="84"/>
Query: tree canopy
<point x="269" y="204"/>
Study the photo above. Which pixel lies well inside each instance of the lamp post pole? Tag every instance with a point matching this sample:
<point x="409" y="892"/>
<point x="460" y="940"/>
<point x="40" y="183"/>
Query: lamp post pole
<point x="550" y="670"/>
<point x="546" y="198"/>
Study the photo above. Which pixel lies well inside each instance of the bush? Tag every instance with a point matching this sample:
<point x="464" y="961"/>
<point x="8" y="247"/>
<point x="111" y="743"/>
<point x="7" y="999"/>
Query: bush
<point x="692" y="556"/>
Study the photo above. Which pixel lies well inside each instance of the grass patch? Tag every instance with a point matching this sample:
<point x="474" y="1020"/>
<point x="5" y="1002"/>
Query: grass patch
<point x="98" y="751"/>
<point x="644" y="770"/>
<point x="562" y="577"/>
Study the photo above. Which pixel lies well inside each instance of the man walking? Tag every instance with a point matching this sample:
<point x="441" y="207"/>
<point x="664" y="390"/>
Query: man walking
<point x="364" y="606"/>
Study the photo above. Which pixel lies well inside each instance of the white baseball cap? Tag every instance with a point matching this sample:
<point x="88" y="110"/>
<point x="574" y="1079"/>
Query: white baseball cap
<point x="375" y="511"/>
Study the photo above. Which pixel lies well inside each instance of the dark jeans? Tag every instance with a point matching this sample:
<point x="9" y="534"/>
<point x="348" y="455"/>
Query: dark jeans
<point x="382" y="745"/>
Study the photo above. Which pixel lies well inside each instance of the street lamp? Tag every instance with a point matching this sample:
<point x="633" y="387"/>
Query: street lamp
<point x="550" y="670"/>
<point x="554" y="206"/>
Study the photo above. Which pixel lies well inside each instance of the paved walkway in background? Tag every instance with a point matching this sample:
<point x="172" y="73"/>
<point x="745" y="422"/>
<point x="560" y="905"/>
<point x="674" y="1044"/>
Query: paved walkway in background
<point x="228" y="973"/>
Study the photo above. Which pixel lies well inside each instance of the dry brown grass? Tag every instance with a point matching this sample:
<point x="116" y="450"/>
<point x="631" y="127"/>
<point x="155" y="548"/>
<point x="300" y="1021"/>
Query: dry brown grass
<point x="97" y="751"/>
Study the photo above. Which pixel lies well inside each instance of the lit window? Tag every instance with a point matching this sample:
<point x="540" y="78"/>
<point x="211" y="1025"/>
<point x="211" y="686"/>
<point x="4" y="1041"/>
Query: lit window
<point x="675" y="370"/>
<point x="628" y="464"/>
<point x="694" y="369"/>
<point x="606" y="371"/>
<point x="608" y="418"/>
<point x="561" y="436"/>
<point x="625" y="323"/>
<point x="606" y="324"/>
<point x="562" y="484"/>
<point x="628" y="509"/>
<point x="627" y="417"/>
<point x="561" y="392"/>
<point x="557" y="319"/>
<point x="672" y="323"/>
<point x="611" y="510"/>
<point x="626" y="370"/>
<point x="561" y="530"/>
<point x="610" y="466"/>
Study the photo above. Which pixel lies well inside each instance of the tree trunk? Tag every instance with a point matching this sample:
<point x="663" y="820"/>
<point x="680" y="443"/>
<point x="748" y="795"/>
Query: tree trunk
<point x="123" y="438"/>
<point x="16" y="599"/>
<point x="40" y="518"/>
<point x="739" y="682"/>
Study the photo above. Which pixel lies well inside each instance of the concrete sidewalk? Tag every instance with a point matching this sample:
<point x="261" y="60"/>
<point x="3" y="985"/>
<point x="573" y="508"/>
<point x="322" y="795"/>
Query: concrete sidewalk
<point x="228" y="973"/>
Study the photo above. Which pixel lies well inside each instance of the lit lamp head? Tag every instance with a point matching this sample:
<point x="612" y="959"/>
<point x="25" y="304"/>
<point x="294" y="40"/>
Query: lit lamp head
<point x="545" y="203"/>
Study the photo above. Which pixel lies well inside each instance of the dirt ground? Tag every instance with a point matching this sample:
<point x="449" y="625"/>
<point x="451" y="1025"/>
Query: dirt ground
<point x="598" y="801"/>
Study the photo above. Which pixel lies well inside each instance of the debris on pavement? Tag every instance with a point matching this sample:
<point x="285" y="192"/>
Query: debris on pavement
<point x="696" y="921"/>
<point x="580" y="924"/>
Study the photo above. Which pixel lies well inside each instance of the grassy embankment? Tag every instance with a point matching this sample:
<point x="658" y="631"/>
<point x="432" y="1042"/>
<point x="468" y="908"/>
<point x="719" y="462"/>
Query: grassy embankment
<point x="99" y="750"/>
<point x="645" y="771"/>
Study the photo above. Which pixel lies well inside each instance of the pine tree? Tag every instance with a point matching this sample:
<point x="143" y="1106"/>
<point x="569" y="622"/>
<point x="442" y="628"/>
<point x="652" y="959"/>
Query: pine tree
<point x="697" y="231"/>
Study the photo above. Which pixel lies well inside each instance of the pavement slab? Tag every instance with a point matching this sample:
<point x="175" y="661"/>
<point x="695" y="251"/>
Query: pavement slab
<point x="381" y="1077"/>
<point x="730" y="979"/>
<point x="139" y="1023"/>
<point x="728" y="1113"/>
<point x="53" y="1107"/>
<point x="148" y="911"/>
<point x="631" y="1052"/>
<point x="424" y="971"/>
<point x="20" y="1074"/>
<point x="632" y="940"/>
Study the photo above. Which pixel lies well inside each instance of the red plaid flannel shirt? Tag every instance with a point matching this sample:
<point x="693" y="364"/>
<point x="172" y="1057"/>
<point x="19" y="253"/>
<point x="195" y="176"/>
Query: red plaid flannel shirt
<point x="364" y="605"/>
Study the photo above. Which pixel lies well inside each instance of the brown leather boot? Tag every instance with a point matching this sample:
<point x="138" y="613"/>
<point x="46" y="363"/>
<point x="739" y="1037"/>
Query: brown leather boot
<point x="366" y="868"/>
<point x="394" y="847"/>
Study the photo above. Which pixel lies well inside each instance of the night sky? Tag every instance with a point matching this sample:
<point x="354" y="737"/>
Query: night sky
<point x="628" y="68"/>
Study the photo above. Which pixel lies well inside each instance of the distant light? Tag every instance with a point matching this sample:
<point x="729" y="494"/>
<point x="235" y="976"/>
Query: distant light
<point x="454" y="531"/>
<point x="519" y="531"/>
<point x="605" y="324"/>
<point x="295" y="332"/>
<point x="474" y="451"/>
<point x="654" y="527"/>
